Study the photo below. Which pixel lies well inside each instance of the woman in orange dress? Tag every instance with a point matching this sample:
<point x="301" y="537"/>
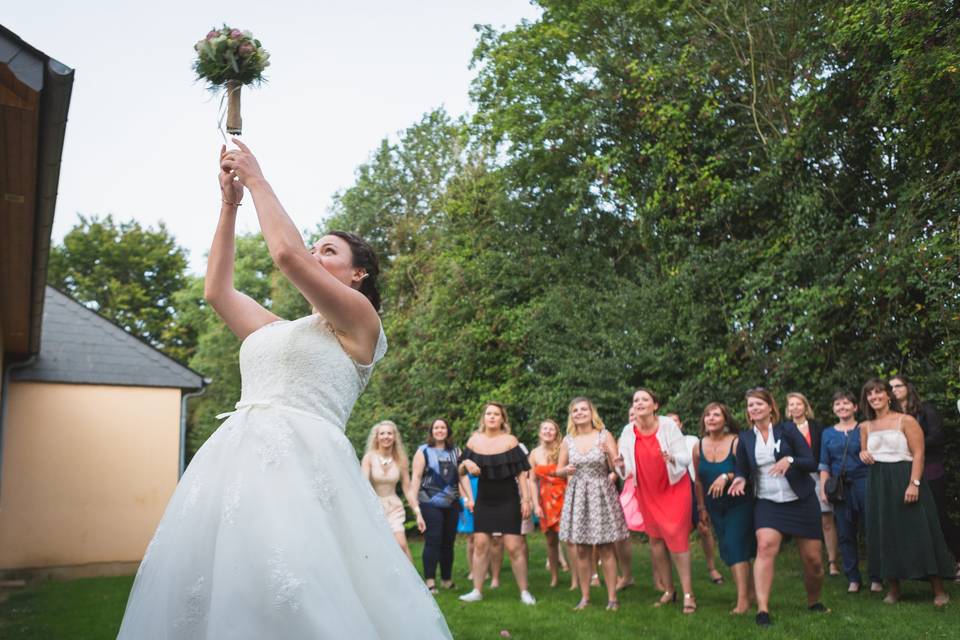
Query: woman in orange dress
<point x="548" y="507"/>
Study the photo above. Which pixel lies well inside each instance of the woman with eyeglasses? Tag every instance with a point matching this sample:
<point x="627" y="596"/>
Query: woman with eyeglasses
<point x="776" y="459"/>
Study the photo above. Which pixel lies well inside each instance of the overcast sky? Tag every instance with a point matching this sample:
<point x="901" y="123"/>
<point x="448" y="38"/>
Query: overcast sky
<point x="142" y="141"/>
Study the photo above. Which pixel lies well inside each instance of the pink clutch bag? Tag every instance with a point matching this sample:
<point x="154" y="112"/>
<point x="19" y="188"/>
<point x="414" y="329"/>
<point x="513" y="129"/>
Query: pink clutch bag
<point x="631" y="508"/>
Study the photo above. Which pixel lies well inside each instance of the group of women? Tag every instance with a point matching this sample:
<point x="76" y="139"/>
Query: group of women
<point x="753" y="487"/>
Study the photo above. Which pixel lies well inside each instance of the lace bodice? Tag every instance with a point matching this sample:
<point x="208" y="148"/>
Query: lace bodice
<point x="301" y="364"/>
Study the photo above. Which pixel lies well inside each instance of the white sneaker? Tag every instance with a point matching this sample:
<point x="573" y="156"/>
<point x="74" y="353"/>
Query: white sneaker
<point x="527" y="598"/>
<point x="473" y="596"/>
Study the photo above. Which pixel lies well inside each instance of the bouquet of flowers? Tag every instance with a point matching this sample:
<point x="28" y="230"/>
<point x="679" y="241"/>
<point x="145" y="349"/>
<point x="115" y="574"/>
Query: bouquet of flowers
<point x="230" y="58"/>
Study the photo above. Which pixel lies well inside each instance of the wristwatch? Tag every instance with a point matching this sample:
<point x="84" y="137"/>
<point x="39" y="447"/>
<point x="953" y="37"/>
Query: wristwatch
<point x="916" y="483"/>
<point x="790" y="459"/>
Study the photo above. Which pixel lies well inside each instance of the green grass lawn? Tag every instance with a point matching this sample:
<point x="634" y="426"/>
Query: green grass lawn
<point x="91" y="609"/>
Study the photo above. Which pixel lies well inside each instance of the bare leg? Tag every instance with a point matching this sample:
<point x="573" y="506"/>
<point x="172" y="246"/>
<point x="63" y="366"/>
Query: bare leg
<point x="940" y="596"/>
<point x="893" y="595"/>
<point x="660" y="561"/>
<point x="624" y="551"/>
<point x="517" y="548"/>
<point x="707" y="543"/>
<point x="830" y="538"/>
<point x="768" y="546"/>
<point x="481" y="559"/>
<point x="594" y="576"/>
<point x="553" y="556"/>
<point x="742" y="578"/>
<point x="811" y="553"/>
<point x="584" y="562"/>
<point x="681" y="561"/>
<point x="401" y="539"/>
<point x="496" y="560"/>
<point x="564" y="565"/>
<point x="608" y="560"/>
<point x="574" y="565"/>
<point x="470" y="557"/>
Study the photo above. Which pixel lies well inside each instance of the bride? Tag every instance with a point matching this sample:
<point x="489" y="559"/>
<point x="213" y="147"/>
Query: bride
<point x="273" y="532"/>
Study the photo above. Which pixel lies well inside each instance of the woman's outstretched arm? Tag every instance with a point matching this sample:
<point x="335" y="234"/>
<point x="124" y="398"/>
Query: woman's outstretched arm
<point x="348" y="310"/>
<point x="242" y="314"/>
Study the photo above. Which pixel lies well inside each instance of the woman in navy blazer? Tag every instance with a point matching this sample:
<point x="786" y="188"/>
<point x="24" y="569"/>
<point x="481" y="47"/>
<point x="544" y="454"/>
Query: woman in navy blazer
<point x="776" y="459"/>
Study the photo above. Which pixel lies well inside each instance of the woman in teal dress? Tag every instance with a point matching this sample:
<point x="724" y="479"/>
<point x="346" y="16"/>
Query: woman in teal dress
<point x="732" y="517"/>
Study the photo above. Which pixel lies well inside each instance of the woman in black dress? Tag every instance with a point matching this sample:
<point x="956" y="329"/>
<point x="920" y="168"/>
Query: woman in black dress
<point x="503" y="497"/>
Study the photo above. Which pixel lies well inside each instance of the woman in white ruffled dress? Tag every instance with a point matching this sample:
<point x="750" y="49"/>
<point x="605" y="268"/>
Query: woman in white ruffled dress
<point x="273" y="532"/>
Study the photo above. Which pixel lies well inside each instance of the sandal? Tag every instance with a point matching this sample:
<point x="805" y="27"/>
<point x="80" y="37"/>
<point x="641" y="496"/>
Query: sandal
<point x="613" y="605"/>
<point x="689" y="603"/>
<point x="583" y="604"/>
<point x="666" y="598"/>
<point x="941" y="600"/>
<point x="818" y="607"/>
<point x="854" y="587"/>
<point x="624" y="585"/>
<point x="891" y="598"/>
<point x="832" y="568"/>
<point x="876" y="587"/>
<point x="716" y="577"/>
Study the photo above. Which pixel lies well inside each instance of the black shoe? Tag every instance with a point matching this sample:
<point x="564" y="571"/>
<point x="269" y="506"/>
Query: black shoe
<point x="817" y="607"/>
<point x="763" y="619"/>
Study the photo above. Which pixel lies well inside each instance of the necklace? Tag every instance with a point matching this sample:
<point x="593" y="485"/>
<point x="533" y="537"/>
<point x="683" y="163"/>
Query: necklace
<point x="384" y="461"/>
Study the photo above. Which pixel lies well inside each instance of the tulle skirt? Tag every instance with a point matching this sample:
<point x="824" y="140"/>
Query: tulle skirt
<point x="274" y="533"/>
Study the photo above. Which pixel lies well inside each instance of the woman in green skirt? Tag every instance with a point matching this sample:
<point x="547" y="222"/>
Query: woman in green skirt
<point x="904" y="540"/>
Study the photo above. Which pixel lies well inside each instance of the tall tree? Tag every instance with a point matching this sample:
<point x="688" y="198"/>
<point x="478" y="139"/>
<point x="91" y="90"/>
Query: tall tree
<point x="126" y="273"/>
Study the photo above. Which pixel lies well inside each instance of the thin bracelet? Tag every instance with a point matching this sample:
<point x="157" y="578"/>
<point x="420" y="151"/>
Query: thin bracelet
<point x="233" y="204"/>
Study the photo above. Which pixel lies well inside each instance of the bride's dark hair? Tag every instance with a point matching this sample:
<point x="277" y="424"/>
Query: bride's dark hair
<point x="363" y="258"/>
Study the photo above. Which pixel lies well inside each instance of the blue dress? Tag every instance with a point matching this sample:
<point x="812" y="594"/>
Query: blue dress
<point x="465" y="523"/>
<point x="731" y="516"/>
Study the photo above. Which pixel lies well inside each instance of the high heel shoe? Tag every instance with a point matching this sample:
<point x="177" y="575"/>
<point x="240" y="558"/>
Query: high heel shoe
<point x="689" y="604"/>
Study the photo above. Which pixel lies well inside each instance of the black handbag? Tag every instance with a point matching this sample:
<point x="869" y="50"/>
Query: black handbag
<point x="835" y="485"/>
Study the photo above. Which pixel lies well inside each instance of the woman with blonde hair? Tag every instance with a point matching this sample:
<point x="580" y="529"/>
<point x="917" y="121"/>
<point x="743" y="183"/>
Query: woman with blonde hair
<point x="550" y="489"/>
<point x="385" y="464"/>
<point x="800" y="413"/>
<point x="503" y="497"/>
<point x="591" y="515"/>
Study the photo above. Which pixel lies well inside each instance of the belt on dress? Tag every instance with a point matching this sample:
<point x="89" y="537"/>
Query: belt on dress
<point x="250" y="404"/>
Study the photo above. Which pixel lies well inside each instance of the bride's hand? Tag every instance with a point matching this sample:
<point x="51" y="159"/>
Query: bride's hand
<point x="242" y="164"/>
<point x="231" y="189"/>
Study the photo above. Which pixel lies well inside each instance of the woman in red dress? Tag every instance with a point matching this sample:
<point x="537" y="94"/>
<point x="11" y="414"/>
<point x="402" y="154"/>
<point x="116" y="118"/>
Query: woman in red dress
<point x="549" y="505"/>
<point x="660" y="459"/>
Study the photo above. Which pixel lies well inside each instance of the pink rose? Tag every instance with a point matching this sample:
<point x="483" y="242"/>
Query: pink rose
<point x="245" y="49"/>
<point x="236" y="34"/>
<point x="213" y="34"/>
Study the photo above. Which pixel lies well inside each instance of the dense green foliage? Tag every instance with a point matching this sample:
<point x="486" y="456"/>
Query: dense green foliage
<point x="92" y="609"/>
<point x="128" y="274"/>
<point x="699" y="197"/>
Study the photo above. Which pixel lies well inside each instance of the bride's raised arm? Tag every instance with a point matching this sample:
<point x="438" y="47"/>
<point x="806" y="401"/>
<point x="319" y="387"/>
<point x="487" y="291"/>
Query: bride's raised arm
<point x="327" y="277"/>
<point x="242" y="314"/>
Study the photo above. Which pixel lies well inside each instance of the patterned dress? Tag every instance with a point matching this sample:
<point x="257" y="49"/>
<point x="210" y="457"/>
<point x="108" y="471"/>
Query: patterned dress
<point x="591" y="507"/>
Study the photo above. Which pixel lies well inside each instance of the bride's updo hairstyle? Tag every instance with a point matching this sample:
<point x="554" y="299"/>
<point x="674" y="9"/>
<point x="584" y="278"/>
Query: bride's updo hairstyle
<point x="363" y="258"/>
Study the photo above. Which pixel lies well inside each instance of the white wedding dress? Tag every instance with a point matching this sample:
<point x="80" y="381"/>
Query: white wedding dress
<point x="273" y="533"/>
